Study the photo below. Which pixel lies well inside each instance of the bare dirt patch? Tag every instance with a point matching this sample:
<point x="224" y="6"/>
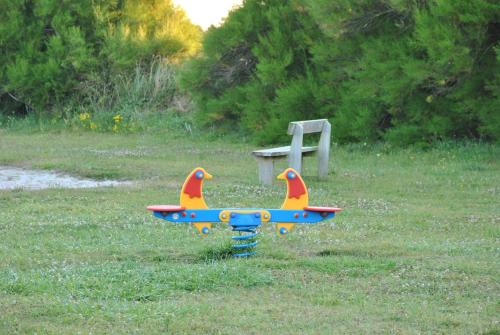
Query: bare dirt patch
<point x="13" y="178"/>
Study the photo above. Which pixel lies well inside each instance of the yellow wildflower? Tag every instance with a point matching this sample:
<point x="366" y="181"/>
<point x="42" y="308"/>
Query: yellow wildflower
<point x="117" y="118"/>
<point x="93" y="125"/>
<point x="84" y="116"/>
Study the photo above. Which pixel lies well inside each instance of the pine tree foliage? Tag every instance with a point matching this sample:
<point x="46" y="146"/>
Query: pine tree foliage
<point x="403" y="70"/>
<point x="141" y="28"/>
<point x="247" y="65"/>
<point x="50" y="46"/>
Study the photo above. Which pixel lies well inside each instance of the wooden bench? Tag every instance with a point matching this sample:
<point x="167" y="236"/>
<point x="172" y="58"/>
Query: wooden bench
<point x="295" y="152"/>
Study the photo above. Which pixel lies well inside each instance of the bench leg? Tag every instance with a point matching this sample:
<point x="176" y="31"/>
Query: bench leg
<point x="266" y="170"/>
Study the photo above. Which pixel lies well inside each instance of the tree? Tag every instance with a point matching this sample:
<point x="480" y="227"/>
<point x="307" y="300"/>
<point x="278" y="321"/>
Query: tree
<point x="253" y="70"/>
<point x="401" y="70"/>
<point x="409" y="71"/>
<point x="49" y="47"/>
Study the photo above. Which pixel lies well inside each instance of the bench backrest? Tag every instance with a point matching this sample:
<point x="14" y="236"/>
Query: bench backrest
<point x="298" y="129"/>
<point x="308" y="127"/>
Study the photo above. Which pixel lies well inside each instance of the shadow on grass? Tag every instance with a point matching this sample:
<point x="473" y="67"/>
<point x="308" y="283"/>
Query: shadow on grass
<point x="343" y="252"/>
<point x="492" y="332"/>
<point x="364" y="252"/>
<point x="216" y="253"/>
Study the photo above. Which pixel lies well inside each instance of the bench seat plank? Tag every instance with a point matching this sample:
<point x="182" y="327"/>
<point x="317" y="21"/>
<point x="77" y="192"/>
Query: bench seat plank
<point x="281" y="151"/>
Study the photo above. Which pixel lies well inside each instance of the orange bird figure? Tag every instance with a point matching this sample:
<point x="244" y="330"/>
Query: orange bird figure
<point x="296" y="196"/>
<point x="192" y="195"/>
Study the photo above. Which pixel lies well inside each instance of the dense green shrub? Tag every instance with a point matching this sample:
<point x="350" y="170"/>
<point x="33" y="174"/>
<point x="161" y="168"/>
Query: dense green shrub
<point x="412" y="70"/>
<point x="403" y="70"/>
<point x="50" y="48"/>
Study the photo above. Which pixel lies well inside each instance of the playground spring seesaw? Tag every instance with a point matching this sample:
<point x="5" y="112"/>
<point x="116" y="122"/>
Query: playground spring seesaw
<point x="245" y="221"/>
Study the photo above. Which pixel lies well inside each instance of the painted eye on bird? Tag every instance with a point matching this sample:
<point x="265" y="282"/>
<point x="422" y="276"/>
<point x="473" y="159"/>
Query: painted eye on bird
<point x="290" y="175"/>
<point x="199" y="175"/>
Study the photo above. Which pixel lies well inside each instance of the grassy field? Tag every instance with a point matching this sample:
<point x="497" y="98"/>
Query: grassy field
<point x="416" y="249"/>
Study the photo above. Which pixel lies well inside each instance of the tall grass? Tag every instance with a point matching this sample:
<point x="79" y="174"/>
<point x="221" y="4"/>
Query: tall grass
<point x="142" y="98"/>
<point x="146" y="98"/>
<point x="148" y="88"/>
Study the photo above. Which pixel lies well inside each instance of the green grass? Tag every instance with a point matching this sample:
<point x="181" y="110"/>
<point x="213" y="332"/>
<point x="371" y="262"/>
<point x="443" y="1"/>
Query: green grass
<point x="415" y="250"/>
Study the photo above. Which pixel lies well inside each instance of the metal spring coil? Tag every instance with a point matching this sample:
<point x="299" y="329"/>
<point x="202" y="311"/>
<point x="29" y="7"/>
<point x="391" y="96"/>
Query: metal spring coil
<point x="247" y="241"/>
